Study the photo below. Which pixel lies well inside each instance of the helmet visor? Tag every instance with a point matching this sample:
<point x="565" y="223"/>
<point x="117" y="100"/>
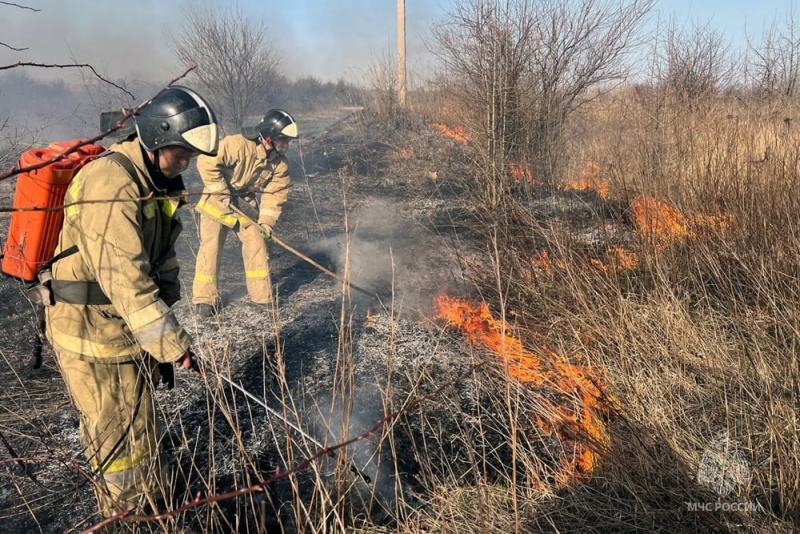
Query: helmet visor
<point x="204" y="139"/>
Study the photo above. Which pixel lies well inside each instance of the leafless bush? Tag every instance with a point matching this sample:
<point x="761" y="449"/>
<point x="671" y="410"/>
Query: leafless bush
<point x="484" y="48"/>
<point x="521" y="69"/>
<point x="693" y="64"/>
<point x="774" y="62"/>
<point x="237" y="66"/>
<point x="579" y="54"/>
<point x="381" y="79"/>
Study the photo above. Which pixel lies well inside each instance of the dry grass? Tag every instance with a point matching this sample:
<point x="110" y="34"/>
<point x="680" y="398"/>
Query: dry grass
<point x="698" y="338"/>
<point x="692" y="342"/>
<point x="694" y="334"/>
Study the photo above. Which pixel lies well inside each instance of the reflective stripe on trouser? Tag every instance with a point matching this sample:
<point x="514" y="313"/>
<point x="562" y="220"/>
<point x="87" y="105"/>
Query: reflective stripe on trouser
<point x="254" y="256"/>
<point x="108" y="397"/>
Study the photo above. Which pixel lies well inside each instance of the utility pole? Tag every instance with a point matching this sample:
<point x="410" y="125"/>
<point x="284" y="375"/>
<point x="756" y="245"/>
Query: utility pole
<point x="401" y="52"/>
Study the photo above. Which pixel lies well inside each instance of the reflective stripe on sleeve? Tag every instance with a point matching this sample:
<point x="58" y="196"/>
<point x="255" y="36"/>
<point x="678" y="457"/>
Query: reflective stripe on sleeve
<point x="157" y="329"/>
<point x="123" y="463"/>
<point x="148" y="314"/>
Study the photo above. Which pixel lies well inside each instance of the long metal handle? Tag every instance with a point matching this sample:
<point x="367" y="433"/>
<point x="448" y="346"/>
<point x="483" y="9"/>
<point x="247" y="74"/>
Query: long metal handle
<point x="305" y="258"/>
<point x="274" y="412"/>
<point x="291" y="425"/>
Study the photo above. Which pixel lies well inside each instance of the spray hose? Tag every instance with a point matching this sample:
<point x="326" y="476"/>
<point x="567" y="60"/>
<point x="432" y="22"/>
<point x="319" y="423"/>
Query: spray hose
<point x="302" y="256"/>
<point x="353" y="467"/>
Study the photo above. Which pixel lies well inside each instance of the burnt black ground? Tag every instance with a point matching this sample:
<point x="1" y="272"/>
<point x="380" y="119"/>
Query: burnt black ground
<point x="353" y="196"/>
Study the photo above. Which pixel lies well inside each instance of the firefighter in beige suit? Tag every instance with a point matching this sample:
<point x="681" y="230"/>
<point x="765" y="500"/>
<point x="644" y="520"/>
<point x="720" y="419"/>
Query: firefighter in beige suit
<point x="251" y="172"/>
<point x="114" y="281"/>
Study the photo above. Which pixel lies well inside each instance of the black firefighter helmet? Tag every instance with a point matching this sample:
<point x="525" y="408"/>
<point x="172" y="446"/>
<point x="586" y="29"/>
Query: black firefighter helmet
<point x="178" y="117"/>
<point x="276" y="123"/>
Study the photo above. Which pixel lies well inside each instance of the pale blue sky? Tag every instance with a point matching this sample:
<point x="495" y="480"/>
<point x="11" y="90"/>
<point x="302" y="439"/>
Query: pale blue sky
<point x="325" y="38"/>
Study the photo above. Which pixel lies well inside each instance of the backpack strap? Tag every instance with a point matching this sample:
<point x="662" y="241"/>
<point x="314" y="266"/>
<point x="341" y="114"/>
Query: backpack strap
<point x="60" y="256"/>
<point x="87" y="292"/>
<point x="125" y="162"/>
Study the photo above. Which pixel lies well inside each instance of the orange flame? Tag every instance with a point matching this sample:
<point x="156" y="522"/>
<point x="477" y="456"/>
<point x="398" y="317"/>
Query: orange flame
<point x="574" y="425"/>
<point x="370" y="318"/>
<point x="619" y="259"/>
<point x="624" y="258"/>
<point x="664" y="223"/>
<point x="721" y="220"/>
<point x="541" y="260"/>
<point x="589" y="181"/>
<point x="658" y="219"/>
<point x="404" y="153"/>
<point x="457" y="132"/>
<point x="521" y="173"/>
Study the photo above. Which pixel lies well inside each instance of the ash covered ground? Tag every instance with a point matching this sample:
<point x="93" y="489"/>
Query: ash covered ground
<point x="356" y="209"/>
<point x="369" y="202"/>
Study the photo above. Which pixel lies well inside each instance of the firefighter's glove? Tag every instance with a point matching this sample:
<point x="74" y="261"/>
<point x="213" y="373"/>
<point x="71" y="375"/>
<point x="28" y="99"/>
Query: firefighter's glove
<point x="167" y="373"/>
<point x="189" y="361"/>
<point x="266" y="230"/>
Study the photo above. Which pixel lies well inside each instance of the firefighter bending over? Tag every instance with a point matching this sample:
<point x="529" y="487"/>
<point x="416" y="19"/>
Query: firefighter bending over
<point x="114" y="283"/>
<point x="251" y="173"/>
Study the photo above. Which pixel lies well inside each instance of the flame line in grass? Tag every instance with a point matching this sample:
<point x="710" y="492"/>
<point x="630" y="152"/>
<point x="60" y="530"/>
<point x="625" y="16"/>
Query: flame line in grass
<point x="578" y="422"/>
<point x="589" y="180"/>
<point x="457" y="132"/>
<point x="664" y="223"/>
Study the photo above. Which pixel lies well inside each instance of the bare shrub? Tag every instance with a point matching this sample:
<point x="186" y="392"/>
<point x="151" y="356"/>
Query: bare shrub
<point x="237" y="66"/>
<point x="381" y="79"/>
<point x="580" y="53"/>
<point x="484" y="48"/>
<point x="774" y="58"/>
<point x="521" y="69"/>
<point x="692" y="64"/>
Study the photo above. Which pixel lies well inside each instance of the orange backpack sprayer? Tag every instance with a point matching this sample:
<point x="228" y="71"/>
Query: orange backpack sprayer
<point x="37" y="217"/>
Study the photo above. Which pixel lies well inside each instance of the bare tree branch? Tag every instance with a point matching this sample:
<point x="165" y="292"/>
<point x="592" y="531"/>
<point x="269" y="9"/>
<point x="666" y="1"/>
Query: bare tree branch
<point x="14" y="48"/>
<point x="65" y="66"/>
<point x="775" y="68"/>
<point x="127" y="114"/>
<point x="695" y="63"/>
<point x="11" y="4"/>
<point x="237" y="69"/>
<point x="521" y="69"/>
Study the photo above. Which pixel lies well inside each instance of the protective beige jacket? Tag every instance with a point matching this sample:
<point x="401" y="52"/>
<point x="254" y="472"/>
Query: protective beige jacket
<point x="241" y="170"/>
<point x="125" y="246"/>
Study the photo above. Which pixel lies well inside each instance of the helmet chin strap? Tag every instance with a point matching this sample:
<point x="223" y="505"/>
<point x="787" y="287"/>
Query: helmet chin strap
<point x="156" y="160"/>
<point x="155" y="175"/>
<point x="272" y="153"/>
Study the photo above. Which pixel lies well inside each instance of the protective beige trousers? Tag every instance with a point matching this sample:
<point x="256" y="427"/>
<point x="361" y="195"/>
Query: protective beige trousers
<point x="119" y="429"/>
<point x="254" y="255"/>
